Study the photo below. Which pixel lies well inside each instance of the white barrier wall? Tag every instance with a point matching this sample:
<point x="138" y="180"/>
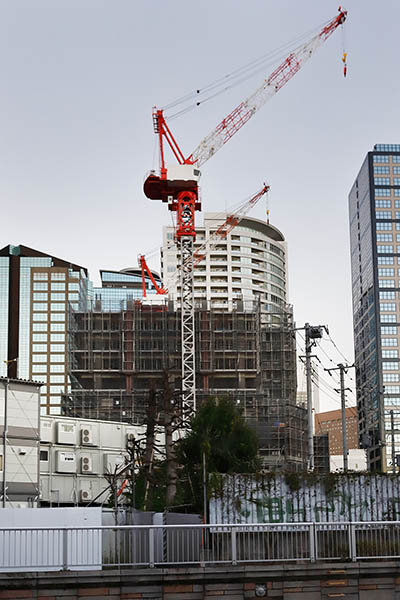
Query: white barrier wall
<point x="310" y="498"/>
<point x="40" y="548"/>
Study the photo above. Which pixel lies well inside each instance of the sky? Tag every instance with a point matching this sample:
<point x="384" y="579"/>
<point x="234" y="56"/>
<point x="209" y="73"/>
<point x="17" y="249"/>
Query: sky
<point x="78" y="82"/>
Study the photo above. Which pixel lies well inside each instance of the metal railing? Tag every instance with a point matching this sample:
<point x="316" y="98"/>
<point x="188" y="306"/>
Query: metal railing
<point x="34" y="549"/>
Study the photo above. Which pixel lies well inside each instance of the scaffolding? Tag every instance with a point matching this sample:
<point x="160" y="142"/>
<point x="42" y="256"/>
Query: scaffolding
<point x="116" y="358"/>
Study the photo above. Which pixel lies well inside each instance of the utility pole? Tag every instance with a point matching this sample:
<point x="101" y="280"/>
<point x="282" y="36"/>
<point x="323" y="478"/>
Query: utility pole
<point x="312" y="332"/>
<point x="343" y="369"/>
<point x="393" y="446"/>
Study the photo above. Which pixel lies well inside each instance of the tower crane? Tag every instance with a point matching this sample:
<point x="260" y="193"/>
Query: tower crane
<point x="177" y="184"/>
<point x="231" y="221"/>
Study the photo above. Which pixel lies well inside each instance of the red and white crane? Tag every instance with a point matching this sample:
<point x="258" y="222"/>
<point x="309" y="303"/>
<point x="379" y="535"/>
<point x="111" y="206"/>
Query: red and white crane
<point x="177" y="184"/>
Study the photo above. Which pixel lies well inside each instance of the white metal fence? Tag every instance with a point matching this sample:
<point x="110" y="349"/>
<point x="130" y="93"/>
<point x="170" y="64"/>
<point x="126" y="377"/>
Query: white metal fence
<point x="32" y="549"/>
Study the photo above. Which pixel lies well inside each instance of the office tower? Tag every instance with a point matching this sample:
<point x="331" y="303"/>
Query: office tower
<point x="374" y="211"/>
<point x="35" y="292"/>
<point x="249" y="264"/>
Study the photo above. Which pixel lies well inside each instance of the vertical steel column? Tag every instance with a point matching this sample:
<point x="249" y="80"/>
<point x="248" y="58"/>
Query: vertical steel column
<point x="187" y="325"/>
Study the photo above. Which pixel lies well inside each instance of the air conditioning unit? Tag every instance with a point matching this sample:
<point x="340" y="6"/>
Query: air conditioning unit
<point x="86" y="495"/>
<point x="86" y="464"/>
<point x="66" y="433"/>
<point x="86" y="437"/>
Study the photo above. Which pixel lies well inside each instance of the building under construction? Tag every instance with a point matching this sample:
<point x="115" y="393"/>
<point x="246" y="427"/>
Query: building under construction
<point x="117" y="357"/>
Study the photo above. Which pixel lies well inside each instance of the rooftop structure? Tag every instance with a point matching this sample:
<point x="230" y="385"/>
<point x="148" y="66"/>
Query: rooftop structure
<point x="250" y="264"/>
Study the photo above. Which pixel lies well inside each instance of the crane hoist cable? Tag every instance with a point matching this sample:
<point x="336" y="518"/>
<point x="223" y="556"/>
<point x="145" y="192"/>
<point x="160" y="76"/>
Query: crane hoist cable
<point x="239" y="75"/>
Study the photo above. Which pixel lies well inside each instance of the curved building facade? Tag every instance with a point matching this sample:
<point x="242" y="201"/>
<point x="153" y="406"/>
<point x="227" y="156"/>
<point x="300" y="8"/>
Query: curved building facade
<point x="249" y="265"/>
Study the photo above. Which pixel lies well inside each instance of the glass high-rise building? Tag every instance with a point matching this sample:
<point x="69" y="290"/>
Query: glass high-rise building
<point x="35" y="292"/>
<point x="374" y="210"/>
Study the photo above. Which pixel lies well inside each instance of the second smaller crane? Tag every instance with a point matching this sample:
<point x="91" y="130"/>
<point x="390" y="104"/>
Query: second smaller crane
<point x="232" y="220"/>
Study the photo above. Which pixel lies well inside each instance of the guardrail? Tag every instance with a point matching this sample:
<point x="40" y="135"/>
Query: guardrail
<point x="43" y="549"/>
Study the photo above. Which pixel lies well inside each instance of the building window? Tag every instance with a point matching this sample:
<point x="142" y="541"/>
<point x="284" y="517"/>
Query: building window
<point x="38" y="276"/>
<point x="381" y="158"/>
<point x="57" y="337"/>
<point x="393" y="389"/>
<point x="38" y="286"/>
<point x="385" y="260"/>
<point x="60" y="378"/>
<point x="389" y="341"/>
<point x="390" y="366"/>
<point x="57" y="317"/>
<point x="41" y="306"/>
<point x="389" y="331"/>
<point x="44" y="455"/>
<point x="383" y="249"/>
<point x="58" y="296"/>
<point x="388" y="318"/>
<point x="384" y="226"/>
<point x="57" y="348"/>
<point x="388" y="306"/>
<point x="57" y="286"/>
<point x="55" y="358"/>
<point x="386" y="295"/>
<point x="39" y="337"/>
<point x="389" y="283"/>
<point x="385" y="272"/>
<point x="57" y="306"/>
<point x="390" y="353"/>
<point x="381" y="170"/>
<point x="390" y="377"/>
<point x="382" y="192"/>
<point x="40" y="296"/>
<point x="57" y="326"/>
<point x="39" y="327"/>
<point x="39" y="358"/>
<point x="384" y="237"/>
<point x="384" y="214"/>
<point x="55" y="276"/>
<point x="396" y="180"/>
<point x="39" y="348"/>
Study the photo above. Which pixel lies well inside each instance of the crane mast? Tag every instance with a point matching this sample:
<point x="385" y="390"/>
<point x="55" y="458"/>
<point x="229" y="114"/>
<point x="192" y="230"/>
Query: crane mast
<point x="177" y="185"/>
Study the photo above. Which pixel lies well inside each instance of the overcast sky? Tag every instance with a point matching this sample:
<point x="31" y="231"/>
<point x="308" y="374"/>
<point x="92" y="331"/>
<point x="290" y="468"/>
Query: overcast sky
<point x="79" y="79"/>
